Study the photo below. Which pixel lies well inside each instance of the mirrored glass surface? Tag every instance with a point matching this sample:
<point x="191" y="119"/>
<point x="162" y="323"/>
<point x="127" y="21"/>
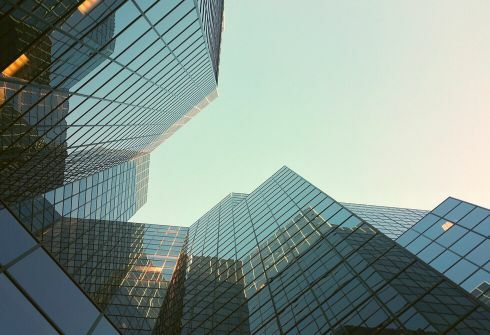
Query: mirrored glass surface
<point x="14" y="239"/>
<point x="54" y="291"/>
<point x="17" y="314"/>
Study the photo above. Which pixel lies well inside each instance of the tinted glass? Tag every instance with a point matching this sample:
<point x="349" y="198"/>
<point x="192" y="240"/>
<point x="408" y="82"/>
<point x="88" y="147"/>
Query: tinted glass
<point x="17" y="315"/>
<point x="104" y="328"/>
<point x="14" y="239"/>
<point x="51" y="288"/>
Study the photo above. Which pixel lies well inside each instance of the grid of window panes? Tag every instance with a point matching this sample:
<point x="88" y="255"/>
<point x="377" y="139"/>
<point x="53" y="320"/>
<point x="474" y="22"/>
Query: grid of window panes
<point x="124" y="267"/>
<point x="212" y="22"/>
<point x="311" y="266"/>
<point x="113" y="194"/>
<point x="217" y="304"/>
<point x="96" y="83"/>
<point x="136" y="301"/>
<point x="391" y="221"/>
<point x="454" y="238"/>
<point x="36" y="295"/>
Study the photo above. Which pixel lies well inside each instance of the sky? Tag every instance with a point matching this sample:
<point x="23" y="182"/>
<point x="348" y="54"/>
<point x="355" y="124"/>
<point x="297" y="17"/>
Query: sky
<point x="374" y="102"/>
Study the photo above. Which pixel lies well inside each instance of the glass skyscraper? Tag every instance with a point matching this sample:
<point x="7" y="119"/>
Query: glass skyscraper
<point x="287" y="258"/>
<point x="87" y="90"/>
<point x="110" y="276"/>
<point x="86" y="86"/>
<point x="391" y="221"/>
<point x="124" y="267"/>
<point x="454" y="238"/>
<point x="37" y="295"/>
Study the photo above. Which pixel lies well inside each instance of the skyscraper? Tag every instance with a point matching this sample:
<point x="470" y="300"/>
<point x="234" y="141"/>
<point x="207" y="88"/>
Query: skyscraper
<point x="87" y="90"/>
<point x="114" y="194"/>
<point x="119" y="270"/>
<point x="286" y="258"/>
<point x="454" y="238"/>
<point x="298" y="262"/>
<point x="37" y="294"/>
<point x="391" y="221"/>
<point x="87" y="86"/>
<point x="124" y="267"/>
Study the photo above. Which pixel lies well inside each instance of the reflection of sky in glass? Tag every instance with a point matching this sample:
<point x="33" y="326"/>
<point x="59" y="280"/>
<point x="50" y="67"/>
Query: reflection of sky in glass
<point x="454" y="239"/>
<point x="109" y="82"/>
<point x="161" y="247"/>
<point x="142" y="72"/>
<point x="296" y="255"/>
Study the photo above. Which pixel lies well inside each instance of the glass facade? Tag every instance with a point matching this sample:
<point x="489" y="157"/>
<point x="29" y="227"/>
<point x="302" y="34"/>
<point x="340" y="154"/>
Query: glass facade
<point x="114" y="194"/>
<point x="454" y="238"/>
<point x="289" y="259"/>
<point x="86" y="86"/>
<point x="30" y="285"/>
<point x="391" y="221"/>
<point x="124" y="267"/>
<point x="286" y="258"/>
<point x="87" y="90"/>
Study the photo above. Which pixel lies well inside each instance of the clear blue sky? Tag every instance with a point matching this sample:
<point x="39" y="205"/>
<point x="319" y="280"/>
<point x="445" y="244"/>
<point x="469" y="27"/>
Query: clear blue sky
<point x="378" y="102"/>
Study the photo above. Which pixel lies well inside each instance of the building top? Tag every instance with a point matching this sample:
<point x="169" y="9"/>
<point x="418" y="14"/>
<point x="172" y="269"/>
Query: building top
<point x="454" y="238"/>
<point x="98" y="83"/>
<point x="391" y="221"/>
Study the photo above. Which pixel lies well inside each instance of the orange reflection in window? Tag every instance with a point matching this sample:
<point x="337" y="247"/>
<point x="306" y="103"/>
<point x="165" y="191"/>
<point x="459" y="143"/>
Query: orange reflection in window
<point x="447" y="225"/>
<point x="87" y="6"/>
<point x="144" y="268"/>
<point x="15" y="66"/>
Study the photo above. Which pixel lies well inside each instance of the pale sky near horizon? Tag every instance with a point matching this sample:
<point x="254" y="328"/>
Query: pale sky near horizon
<point x="376" y="102"/>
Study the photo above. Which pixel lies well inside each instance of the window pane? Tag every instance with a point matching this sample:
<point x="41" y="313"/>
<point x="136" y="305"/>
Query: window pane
<point x="484" y="227"/>
<point x="426" y="222"/>
<point x="17" y="315"/>
<point x="53" y="290"/>
<point x="446" y="206"/>
<point x="461" y="271"/>
<point x="418" y="244"/>
<point x="104" y="327"/>
<point x="14" y="239"/>
<point x="480" y="254"/>
<point x="460" y="211"/>
<point x="431" y="252"/>
<point x="444" y="261"/>
<point x="476" y="280"/>
<point x="468" y="242"/>
<point x="407" y="237"/>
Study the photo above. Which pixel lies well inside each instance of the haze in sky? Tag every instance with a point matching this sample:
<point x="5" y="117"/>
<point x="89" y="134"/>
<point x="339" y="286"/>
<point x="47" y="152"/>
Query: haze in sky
<point x="377" y="102"/>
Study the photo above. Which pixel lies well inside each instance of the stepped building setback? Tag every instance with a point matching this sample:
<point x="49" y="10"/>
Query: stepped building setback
<point x="286" y="258"/>
<point x="88" y="88"/>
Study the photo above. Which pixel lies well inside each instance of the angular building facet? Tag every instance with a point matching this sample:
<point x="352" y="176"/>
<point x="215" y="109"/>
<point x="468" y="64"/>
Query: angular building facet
<point x="87" y="90"/>
<point x="114" y="194"/>
<point x="117" y="270"/>
<point x="298" y="262"/>
<point x="391" y="221"/>
<point x="37" y="296"/>
<point x="284" y="259"/>
<point x="124" y="267"/>
<point x="85" y="86"/>
<point x="454" y="239"/>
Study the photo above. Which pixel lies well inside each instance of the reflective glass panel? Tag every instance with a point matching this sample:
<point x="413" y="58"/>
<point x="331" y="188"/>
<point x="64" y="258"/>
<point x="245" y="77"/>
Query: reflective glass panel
<point x="14" y="239"/>
<point x="51" y="288"/>
<point x="17" y="315"/>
